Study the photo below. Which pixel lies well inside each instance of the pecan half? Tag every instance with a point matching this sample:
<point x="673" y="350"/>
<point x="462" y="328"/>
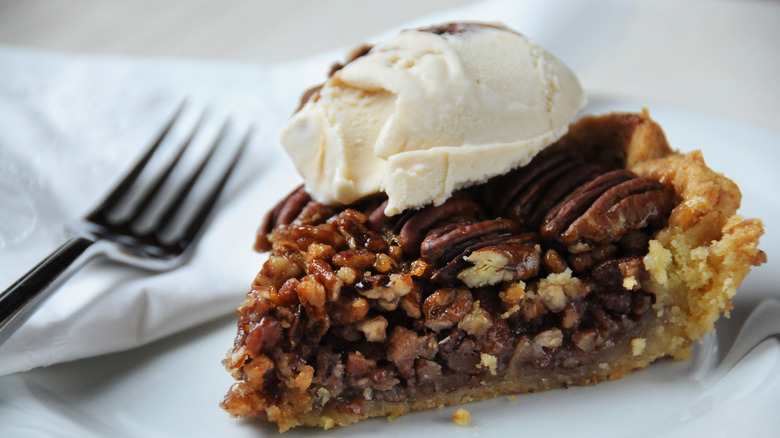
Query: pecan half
<point x="523" y="209"/>
<point x="632" y="205"/>
<point x="414" y="229"/>
<point x="444" y="243"/>
<point x="502" y="191"/>
<point x="608" y="207"/>
<point x="573" y="206"/>
<point x="514" y="257"/>
<point x="283" y="213"/>
<point x="565" y="184"/>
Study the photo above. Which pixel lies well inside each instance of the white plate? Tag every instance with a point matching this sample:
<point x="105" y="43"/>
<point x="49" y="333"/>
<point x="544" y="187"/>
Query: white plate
<point x="730" y="388"/>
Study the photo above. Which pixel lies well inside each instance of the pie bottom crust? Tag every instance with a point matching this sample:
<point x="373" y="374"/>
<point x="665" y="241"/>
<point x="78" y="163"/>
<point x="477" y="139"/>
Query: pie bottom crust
<point x="695" y="263"/>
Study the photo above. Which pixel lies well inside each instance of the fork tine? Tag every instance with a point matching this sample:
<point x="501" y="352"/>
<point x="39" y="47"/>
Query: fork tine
<point x="162" y="177"/>
<point x="100" y="212"/>
<point x="196" y="224"/>
<point x="175" y="204"/>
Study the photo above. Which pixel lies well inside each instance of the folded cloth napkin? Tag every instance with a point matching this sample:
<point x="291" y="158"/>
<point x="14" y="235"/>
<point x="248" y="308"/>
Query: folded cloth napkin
<point x="69" y="128"/>
<point x="70" y="124"/>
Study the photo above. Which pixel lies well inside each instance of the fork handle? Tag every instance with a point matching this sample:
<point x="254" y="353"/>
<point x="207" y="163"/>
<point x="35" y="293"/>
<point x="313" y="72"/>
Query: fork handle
<point x="20" y="300"/>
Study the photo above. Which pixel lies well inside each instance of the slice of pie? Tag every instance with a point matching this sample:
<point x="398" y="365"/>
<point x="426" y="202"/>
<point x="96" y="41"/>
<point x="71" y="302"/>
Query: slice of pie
<point x="605" y="253"/>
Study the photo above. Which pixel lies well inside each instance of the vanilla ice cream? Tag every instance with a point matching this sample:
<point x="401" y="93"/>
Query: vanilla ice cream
<point x="430" y="111"/>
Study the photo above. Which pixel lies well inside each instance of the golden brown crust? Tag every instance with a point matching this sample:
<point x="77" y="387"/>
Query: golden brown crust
<point x="695" y="264"/>
<point x="699" y="260"/>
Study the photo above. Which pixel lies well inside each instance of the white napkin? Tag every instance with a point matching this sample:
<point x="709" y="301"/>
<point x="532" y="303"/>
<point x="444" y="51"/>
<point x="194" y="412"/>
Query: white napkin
<point x="69" y="127"/>
<point x="70" y="124"/>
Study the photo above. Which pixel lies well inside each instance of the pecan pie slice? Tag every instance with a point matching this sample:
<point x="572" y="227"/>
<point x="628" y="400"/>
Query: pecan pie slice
<point x="605" y="253"/>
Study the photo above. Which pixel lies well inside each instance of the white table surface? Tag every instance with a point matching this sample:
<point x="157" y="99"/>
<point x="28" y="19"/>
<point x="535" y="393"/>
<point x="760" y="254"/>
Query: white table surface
<point x="717" y="56"/>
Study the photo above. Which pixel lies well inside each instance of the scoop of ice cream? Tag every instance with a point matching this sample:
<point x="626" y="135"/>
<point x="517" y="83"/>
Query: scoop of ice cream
<point x="431" y="111"/>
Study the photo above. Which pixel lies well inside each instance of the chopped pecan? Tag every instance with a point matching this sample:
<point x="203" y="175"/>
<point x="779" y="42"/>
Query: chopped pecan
<point x="462" y="355"/>
<point x="498" y="263"/>
<point x="549" y="339"/>
<point x="330" y="375"/>
<point x="384" y="287"/>
<point x="592" y="256"/>
<point x="532" y="307"/>
<point x="258" y="301"/>
<point x="554" y="262"/>
<point x="358" y="365"/>
<point x="287" y="296"/>
<point x="275" y="271"/>
<point x="359" y="258"/>
<point x="305" y="235"/>
<point x="539" y="350"/>
<point x="313" y="296"/>
<point x="587" y="340"/>
<point x="323" y="272"/>
<point x="314" y="213"/>
<point x="264" y="336"/>
<point x="616" y="301"/>
<point x="384" y="263"/>
<point x="499" y="342"/>
<point x="348" y="310"/>
<point x="477" y="322"/>
<point x="320" y="251"/>
<point x="383" y="379"/>
<point x="552" y="295"/>
<point x="349" y="275"/>
<point x="259" y="372"/>
<point x="446" y="307"/>
<point x="428" y="372"/>
<point x="291" y="251"/>
<point x="404" y="346"/>
<point x="627" y="272"/>
<point x="572" y="314"/>
<point x="412" y="303"/>
<point x="374" y="328"/>
<point x="351" y="224"/>
<point x="641" y="302"/>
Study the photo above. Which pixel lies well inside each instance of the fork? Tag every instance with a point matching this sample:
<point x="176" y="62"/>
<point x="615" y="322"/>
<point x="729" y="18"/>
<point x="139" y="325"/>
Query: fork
<point x="101" y="233"/>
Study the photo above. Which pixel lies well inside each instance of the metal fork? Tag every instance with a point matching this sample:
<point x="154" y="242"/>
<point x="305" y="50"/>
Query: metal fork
<point x="100" y="233"/>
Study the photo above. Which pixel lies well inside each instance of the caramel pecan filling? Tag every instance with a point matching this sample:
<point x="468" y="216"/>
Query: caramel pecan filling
<point x="541" y="267"/>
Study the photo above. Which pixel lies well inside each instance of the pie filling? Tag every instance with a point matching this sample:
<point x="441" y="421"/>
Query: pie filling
<point x="529" y="281"/>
